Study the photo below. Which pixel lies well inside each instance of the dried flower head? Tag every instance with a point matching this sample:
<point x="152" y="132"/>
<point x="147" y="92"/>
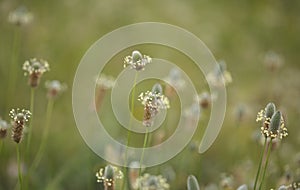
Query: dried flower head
<point x="19" y="119"/>
<point x="20" y="16"/>
<point x="3" y="128"/>
<point x="153" y="102"/>
<point x="55" y="88"/>
<point x="105" y="82"/>
<point x="35" y="68"/>
<point x="273" y="61"/>
<point x="204" y="99"/>
<point x="273" y="123"/>
<point x="226" y="181"/>
<point x="137" y="61"/>
<point x="174" y="80"/>
<point x="219" y="76"/>
<point x="108" y="175"/>
<point x="151" y="182"/>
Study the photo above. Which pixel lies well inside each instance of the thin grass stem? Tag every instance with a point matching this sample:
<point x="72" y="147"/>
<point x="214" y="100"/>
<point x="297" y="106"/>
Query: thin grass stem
<point x="266" y="164"/>
<point x="32" y="95"/>
<point x="143" y="151"/>
<point x="19" y="167"/>
<point x="260" y="163"/>
<point x="129" y="131"/>
<point x="43" y="143"/>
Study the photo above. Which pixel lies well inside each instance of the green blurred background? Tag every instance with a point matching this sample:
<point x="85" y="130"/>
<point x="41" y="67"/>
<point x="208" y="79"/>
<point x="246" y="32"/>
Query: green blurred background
<point x="239" y="32"/>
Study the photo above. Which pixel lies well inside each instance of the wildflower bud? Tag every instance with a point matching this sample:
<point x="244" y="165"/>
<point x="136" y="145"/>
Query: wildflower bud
<point x="107" y="179"/>
<point x="157" y="89"/>
<point x="270" y="110"/>
<point x="192" y="183"/>
<point x="136" y="61"/>
<point x="19" y="119"/>
<point x="275" y="122"/>
<point x="283" y="187"/>
<point x="136" y="56"/>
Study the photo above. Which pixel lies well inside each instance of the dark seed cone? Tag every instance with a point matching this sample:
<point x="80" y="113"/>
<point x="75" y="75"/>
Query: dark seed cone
<point x="34" y="79"/>
<point x="148" y="115"/>
<point x="205" y="103"/>
<point x="3" y="133"/>
<point x="17" y="131"/>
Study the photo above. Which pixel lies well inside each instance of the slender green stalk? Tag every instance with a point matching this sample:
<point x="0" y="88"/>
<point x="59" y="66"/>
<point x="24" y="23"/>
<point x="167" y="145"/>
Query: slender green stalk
<point x="19" y="167"/>
<point x="1" y="146"/>
<point x="144" y="146"/>
<point x="129" y="131"/>
<point x="266" y="164"/>
<point x="13" y="70"/>
<point x="43" y="143"/>
<point x="259" y="165"/>
<point x="32" y="94"/>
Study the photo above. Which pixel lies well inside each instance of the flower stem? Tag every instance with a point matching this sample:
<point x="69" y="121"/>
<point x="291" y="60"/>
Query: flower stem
<point x="19" y="167"/>
<point x="1" y="146"/>
<point x="30" y="123"/>
<point x="144" y="146"/>
<point x="266" y="164"/>
<point x="43" y="143"/>
<point x="129" y="131"/>
<point x="13" y="70"/>
<point x="259" y="165"/>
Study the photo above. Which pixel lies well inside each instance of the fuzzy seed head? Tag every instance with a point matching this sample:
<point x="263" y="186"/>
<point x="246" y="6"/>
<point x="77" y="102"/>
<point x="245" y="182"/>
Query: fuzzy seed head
<point x="219" y="76"/>
<point x="105" y="82"/>
<point x="21" y="16"/>
<point x="55" y="88"/>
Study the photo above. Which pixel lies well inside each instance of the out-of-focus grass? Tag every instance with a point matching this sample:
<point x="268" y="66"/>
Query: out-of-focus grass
<point x="240" y="32"/>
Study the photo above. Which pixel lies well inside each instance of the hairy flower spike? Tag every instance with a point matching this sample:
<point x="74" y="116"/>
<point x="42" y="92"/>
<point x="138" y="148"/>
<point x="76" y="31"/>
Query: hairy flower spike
<point x="137" y="61"/>
<point x="108" y="175"/>
<point x="3" y="128"/>
<point x="55" y="88"/>
<point x="19" y="119"/>
<point x="21" y="16"/>
<point x="35" y="68"/>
